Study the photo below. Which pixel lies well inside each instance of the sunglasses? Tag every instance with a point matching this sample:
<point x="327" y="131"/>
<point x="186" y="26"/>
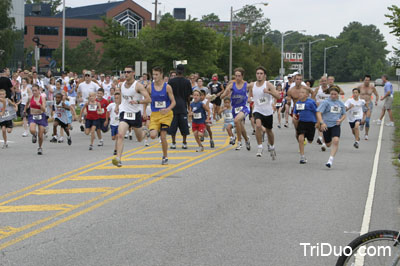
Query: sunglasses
<point x="87" y="75"/>
<point x="127" y="72"/>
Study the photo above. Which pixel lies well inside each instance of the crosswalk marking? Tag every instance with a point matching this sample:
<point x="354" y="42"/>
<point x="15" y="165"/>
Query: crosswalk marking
<point x="72" y="190"/>
<point x="103" y="177"/>
<point x="35" y="208"/>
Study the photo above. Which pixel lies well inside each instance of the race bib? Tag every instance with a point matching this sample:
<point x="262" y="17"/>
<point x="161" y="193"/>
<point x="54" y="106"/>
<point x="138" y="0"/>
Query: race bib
<point x="278" y="104"/>
<point x="335" y="109"/>
<point x="92" y="107"/>
<point x="197" y="115"/>
<point x="37" y="117"/>
<point x="59" y="115"/>
<point x="130" y="116"/>
<point x="355" y="113"/>
<point x="6" y="113"/>
<point x="228" y="116"/>
<point x="238" y="109"/>
<point x="262" y="101"/>
<point x="300" y="106"/>
<point x="116" y="118"/>
<point x="160" y="104"/>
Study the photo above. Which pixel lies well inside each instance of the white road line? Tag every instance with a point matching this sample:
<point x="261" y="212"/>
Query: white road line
<point x="9" y="141"/>
<point x="371" y="190"/>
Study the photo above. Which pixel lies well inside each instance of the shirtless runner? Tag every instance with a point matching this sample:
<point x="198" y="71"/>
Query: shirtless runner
<point x="366" y="91"/>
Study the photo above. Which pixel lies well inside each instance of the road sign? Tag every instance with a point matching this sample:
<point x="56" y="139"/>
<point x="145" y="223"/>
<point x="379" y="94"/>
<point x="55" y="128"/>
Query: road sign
<point x="397" y="71"/>
<point x="140" y="68"/>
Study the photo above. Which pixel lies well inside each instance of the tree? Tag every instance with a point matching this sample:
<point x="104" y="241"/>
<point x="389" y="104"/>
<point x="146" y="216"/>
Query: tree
<point x="210" y="18"/>
<point x="8" y="35"/>
<point x="257" y="25"/>
<point x="54" y="4"/>
<point x="394" y="24"/>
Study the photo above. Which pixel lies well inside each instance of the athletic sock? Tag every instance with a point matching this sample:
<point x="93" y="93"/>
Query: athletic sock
<point x="260" y="146"/>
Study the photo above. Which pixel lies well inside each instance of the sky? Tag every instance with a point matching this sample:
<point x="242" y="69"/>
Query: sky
<point x="314" y="16"/>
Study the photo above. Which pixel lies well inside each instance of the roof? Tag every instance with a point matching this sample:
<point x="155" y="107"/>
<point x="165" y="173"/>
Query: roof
<point x="45" y="10"/>
<point x="89" y="12"/>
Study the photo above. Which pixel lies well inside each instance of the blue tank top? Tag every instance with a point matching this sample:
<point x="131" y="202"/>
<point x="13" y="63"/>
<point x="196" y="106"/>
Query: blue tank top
<point x="239" y="97"/>
<point x="199" y="112"/>
<point x="159" y="99"/>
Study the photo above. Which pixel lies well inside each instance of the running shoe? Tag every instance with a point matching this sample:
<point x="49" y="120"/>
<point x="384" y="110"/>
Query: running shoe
<point x="184" y="146"/>
<point x="200" y="149"/>
<point x="164" y="161"/>
<point x="319" y="141"/>
<point x="34" y="138"/>
<point x="254" y="132"/>
<point x="69" y="140"/>
<point x="248" y="147"/>
<point x="323" y="147"/>
<point x="378" y="122"/>
<point x="116" y="162"/>
<point x="239" y="146"/>
<point x="356" y="145"/>
<point x="25" y="134"/>
<point x="259" y="152"/>
<point x="272" y="152"/>
<point x="130" y="137"/>
<point x="126" y="135"/>
<point x="147" y="132"/>
<point x="53" y="139"/>
<point x="234" y="140"/>
<point x="286" y="125"/>
<point x="90" y="147"/>
<point x="173" y="146"/>
<point x="366" y="137"/>
<point x="101" y="143"/>
<point x="212" y="145"/>
<point x="146" y="143"/>
<point x="82" y="128"/>
<point x="279" y="125"/>
<point x="231" y="141"/>
<point x="303" y="160"/>
<point x="390" y="124"/>
<point x="39" y="151"/>
<point x="5" y="146"/>
<point x="61" y="140"/>
<point x="202" y="138"/>
<point x="328" y="164"/>
<point x="115" y="152"/>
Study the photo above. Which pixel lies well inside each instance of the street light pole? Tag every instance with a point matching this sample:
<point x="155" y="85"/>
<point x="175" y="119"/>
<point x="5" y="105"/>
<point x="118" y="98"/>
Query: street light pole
<point x="309" y="55"/>
<point x="327" y="48"/>
<point x="283" y="34"/>
<point x="63" y="38"/>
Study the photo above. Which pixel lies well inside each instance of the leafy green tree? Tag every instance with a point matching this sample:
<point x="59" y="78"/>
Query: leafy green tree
<point x="8" y="35"/>
<point x="210" y="18"/>
<point x="394" y="24"/>
<point x="257" y="25"/>
<point x="54" y="4"/>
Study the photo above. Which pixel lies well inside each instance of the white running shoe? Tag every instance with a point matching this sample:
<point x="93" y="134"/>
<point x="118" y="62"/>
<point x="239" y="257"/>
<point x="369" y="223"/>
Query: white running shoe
<point x="366" y="137"/>
<point x="378" y="122"/>
<point x="25" y="134"/>
<point x="390" y="124"/>
<point x="323" y="147"/>
<point x="259" y="152"/>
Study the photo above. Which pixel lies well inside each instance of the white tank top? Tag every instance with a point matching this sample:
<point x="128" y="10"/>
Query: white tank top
<point x="130" y="94"/>
<point x="262" y="101"/>
<point x="24" y="95"/>
<point x="321" y="95"/>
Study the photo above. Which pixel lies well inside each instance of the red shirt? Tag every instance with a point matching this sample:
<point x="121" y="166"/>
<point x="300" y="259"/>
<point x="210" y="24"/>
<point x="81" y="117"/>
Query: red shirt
<point x="92" y="115"/>
<point x="104" y="104"/>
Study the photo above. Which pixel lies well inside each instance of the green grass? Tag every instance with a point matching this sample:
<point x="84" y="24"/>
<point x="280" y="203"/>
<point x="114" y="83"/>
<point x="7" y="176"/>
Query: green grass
<point x="396" y="136"/>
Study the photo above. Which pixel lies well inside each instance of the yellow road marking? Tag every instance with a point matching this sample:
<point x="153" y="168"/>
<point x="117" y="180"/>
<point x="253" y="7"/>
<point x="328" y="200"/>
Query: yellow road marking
<point x="157" y="158"/>
<point x="179" y="151"/>
<point x="103" y="177"/>
<point x="134" y="166"/>
<point x="72" y="190"/>
<point x="35" y="208"/>
<point x="206" y="140"/>
<point x="72" y="216"/>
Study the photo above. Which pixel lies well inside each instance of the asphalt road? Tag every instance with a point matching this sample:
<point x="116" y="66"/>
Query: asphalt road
<point x="221" y="207"/>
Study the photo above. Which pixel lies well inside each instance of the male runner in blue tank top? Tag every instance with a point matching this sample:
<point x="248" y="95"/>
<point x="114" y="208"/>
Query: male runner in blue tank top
<point x="238" y="92"/>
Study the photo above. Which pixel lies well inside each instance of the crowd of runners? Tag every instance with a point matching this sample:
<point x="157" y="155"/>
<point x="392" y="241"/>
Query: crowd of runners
<point x="160" y="103"/>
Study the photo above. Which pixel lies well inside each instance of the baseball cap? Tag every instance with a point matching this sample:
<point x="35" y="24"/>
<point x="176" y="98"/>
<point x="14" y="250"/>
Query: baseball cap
<point x="214" y="78"/>
<point x="88" y="73"/>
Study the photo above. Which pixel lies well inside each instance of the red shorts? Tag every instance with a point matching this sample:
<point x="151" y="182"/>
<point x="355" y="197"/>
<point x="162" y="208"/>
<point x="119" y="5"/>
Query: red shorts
<point x="198" y="127"/>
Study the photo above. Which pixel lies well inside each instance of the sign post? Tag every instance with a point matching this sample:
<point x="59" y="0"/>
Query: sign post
<point x="398" y="78"/>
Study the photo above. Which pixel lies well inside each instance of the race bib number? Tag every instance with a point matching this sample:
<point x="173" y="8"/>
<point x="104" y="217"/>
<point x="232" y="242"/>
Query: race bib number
<point x="130" y="116"/>
<point x="228" y="116"/>
<point x="92" y="107"/>
<point x="262" y="101"/>
<point x="116" y="118"/>
<point x="300" y="106"/>
<point x="278" y="105"/>
<point x="238" y="109"/>
<point x="335" y="109"/>
<point x="37" y="117"/>
<point x="197" y="115"/>
<point x="6" y="113"/>
<point x="160" y="104"/>
<point x="355" y="113"/>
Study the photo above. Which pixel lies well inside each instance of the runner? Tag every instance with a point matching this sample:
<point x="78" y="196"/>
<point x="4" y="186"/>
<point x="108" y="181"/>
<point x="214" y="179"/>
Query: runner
<point x="162" y="102"/>
<point x="113" y="118"/>
<point x="279" y="103"/>
<point x="305" y="110"/>
<point x="216" y="88"/>
<point x="263" y="93"/>
<point x="229" y="124"/>
<point x="320" y="95"/>
<point x="84" y="89"/>
<point x="61" y="118"/>
<point x="287" y="104"/>
<point x="72" y="96"/>
<point x="102" y="116"/>
<point x="388" y="98"/>
<point x="330" y="115"/>
<point x="91" y="111"/>
<point x="238" y="92"/>
<point x="354" y="108"/>
<point x="7" y="113"/>
<point x="37" y="116"/>
<point x="106" y="85"/>
<point x="26" y="94"/>
<point x="206" y="100"/>
<point x="366" y="91"/>
<point x="130" y="111"/>
<point x="201" y="115"/>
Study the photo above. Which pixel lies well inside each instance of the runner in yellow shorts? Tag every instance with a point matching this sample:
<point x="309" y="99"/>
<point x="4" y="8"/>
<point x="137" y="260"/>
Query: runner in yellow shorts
<point x="162" y="102"/>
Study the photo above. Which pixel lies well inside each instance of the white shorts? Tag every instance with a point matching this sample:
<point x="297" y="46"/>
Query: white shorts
<point x="72" y="100"/>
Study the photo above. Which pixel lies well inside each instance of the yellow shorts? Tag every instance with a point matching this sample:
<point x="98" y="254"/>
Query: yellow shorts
<point x="157" y="120"/>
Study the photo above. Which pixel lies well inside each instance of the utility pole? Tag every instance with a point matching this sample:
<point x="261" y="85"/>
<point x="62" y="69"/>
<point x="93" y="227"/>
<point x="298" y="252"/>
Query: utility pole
<point x="156" y="3"/>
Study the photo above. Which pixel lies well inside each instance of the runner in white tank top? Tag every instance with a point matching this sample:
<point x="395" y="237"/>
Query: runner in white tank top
<point x="262" y="93"/>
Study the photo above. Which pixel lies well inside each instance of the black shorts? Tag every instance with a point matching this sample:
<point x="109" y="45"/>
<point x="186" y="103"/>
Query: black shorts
<point x="353" y="124"/>
<point x="20" y="111"/>
<point x="179" y="121"/>
<point x="266" y="121"/>
<point x="217" y="101"/>
<point x="307" y="129"/>
<point x="331" y="133"/>
<point x="60" y="123"/>
<point x="101" y="125"/>
<point x="7" y="124"/>
<point x="136" y="123"/>
<point x="90" y="123"/>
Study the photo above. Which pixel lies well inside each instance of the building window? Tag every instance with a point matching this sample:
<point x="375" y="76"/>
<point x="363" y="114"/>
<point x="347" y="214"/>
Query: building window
<point x="25" y="30"/>
<point x="80" y="32"/>
<point x="131" y="21"/>
<point x="46" y="52"/>
<point x="43" y="30"/>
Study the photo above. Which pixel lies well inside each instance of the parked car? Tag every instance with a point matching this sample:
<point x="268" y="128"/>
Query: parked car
<point x="275" y="81"/>
<point x="379" y="82"/>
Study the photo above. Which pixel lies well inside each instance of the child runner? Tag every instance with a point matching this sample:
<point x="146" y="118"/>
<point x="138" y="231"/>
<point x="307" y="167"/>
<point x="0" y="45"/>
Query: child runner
<point x="330" y="114"/>
<point x="305" y="109"/>
<point x="226" y="112"/>
<point x="113" y="118"/>
<point x="354" y="108"/>
<point x="102" y="116"/>
<point x="7" y="114"/>
<point x="279" y="103"/>
<point x="61" y="117"/>
<point x="206" y="101"/>
<point x="198" y="111"/>
<point x="92" y="109"/>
